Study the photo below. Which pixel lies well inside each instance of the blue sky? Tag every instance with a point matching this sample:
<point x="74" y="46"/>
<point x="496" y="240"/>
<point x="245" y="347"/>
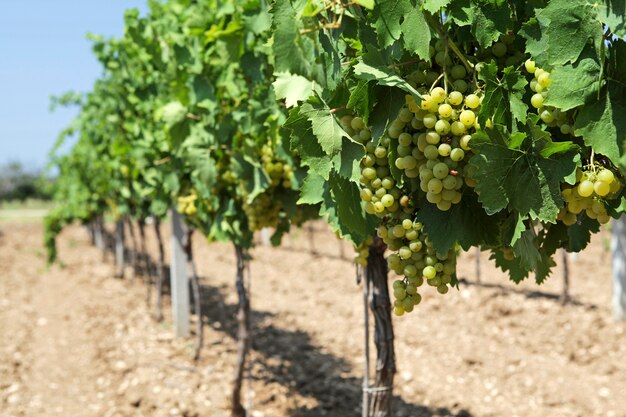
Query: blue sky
<point x="43" y="52"/>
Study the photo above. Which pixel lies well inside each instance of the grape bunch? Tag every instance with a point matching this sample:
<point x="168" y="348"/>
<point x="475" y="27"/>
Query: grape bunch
<point x="551" y="116"/>
<point x="264" y="211"/>
<point x="379" y="192"/>
<point x="279" y="172"/>
<point x="363" y="252"/>
<point x="593" y="187"/>
<point x="504" y="52"/>
<point x="187" y="204"/>
<point x="416" y="260"/>
<point x="435" y="145"/>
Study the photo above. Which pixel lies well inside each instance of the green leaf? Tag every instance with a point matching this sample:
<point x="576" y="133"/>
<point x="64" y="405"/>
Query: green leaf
<point x="465" y="223"/>
<point x="560" y="32"/>
<point x="490" y="19"/>
<point x="293" y="88"/>
<point x="387" y="18"/>
<point x="361" y="99"/>
<point x="416" y="33"/>
<point x="312" y="189"/>
<point x="611" y="13"/>
<point x="372" y="67"/>
<point x="512" y="173"/>
<point x="305" y="144"/>
<point x="368" y="4"/>
<point x="294" y="53"/>
<point x="325" y="127"/>
<point x="574" y="85"/>
<point x="603" y="127"/>
<point x="433" y="6"/>
<point x="503" y="99"/>
<point x="388" y="105"/>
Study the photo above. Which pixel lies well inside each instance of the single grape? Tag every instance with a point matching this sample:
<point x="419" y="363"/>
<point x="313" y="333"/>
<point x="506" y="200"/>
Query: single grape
<point x="438" y="94"/>
<point x="442" y="126"/>
<point x="444" y="149"/>
<point x="435" y="186"/>
<point x="601" y="188"/>
<point x="537" y="101"/>
<point x="606" y="175"/>
<point x="457" y="154"/>
<point x="429" y="272"/>
<point x="585" y="188"/>
<point x="472" y="101"/>
<point x="467" y="117"/>
<point x="530" y="66"/>
<point x="445" y="110"/>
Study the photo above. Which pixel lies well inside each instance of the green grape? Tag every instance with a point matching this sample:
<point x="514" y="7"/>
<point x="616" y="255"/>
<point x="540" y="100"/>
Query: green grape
<point x="429" y="272"/>
<point x="472" y="101"/>
<point x="606" y="176"/>
<point x="457" y="154"/>
<point x="585" y="188"/>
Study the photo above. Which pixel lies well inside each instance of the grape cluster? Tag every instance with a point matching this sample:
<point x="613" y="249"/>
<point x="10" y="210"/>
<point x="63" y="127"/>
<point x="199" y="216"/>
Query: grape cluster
<point x="279" y="172"/>
<point x="187" y="204"/>
<point x="264" y="211"/>
<point x="363" y="252"/>
<point x="435" y="145"/>
<point x="416" y="260"/>
<point x="551" y="116"/>
<point x="504" y="52"/>
<point x="379" y="192"/>
<point x="592" y="188"/>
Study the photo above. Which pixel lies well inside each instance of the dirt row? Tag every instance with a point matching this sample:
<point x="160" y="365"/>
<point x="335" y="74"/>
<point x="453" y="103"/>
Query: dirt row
<point x="74" y="341"/>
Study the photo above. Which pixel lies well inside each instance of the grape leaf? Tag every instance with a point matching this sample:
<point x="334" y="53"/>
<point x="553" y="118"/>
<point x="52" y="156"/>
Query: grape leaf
<point x="512" y="228"/>
<point x="372" y="67"/>
<point x="328" y="132"/>
<point x="611" y="13"/>
<point x="560" y="32"/>
<point x="312" y="189"/>
<point x="465" y="223"/>
<point x="603" y="127"/>
<point x="513" y="174"/>
<point x="526" y="252"/>
<point x="293" y="88"/>
<point x="434" y="6"/>
<point x="368" y="4"/>
<point x="387" y="17"/>
<point x="294" y="52"/>
<point x="342" y="208"/>
<point x="361" y="99"/>
<point x="388" y="104"/>
<point x="503" y="99"/>
<point x="416" y="33"/>
<point x="304" y="142"/>
<point x="490" y="19"/>
<point x="574" y="85"/>
<point x="573" y="238"/>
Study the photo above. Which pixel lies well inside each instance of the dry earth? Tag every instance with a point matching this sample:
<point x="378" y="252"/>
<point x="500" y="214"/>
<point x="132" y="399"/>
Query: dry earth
<point x="74" y="341"/>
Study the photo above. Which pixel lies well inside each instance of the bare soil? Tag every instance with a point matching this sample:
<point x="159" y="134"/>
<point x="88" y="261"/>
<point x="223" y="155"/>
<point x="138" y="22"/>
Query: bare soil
<point x="74" y="341"/>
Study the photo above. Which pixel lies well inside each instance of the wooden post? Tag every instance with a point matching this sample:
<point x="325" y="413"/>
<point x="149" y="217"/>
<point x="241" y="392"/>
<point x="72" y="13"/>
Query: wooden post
<point x="565" y="298"/>
<point x="99" y="238"/>
<point x="381" y="391"/>
<point x="119" y="248"/>
<point x="618" y="247"/>
<point x="179" y="281"/>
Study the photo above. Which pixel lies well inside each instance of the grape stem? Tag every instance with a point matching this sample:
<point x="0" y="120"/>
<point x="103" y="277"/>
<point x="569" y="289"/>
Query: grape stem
<point x="435" y="24"/>
<point x="436" y="81"/>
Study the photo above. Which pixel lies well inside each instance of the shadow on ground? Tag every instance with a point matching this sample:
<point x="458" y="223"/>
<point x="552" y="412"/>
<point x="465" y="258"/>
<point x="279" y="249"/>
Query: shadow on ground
<point x="303" y="367"/>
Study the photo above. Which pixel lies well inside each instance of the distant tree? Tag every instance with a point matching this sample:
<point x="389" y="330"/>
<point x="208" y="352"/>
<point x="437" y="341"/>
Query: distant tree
<point x="19" y="183"/>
